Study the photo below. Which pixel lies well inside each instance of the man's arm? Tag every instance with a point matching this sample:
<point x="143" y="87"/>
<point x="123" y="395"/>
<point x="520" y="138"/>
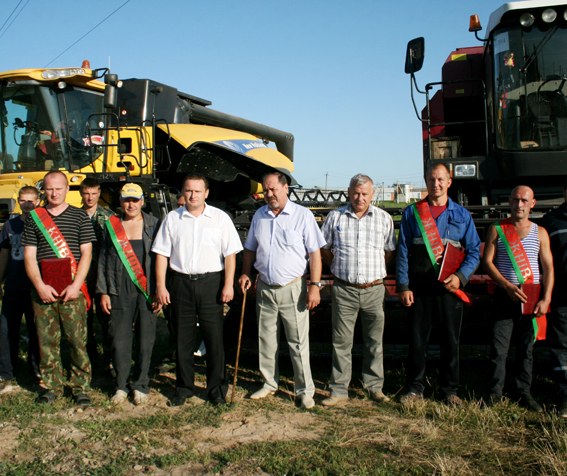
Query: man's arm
<point x="389" y="257"/>
<point x="315" y="269"/>
<point x="162" y="294"/>
<point x="327" y="256"/>
<point x="71" y="292"/>
<point x="229" y="269"/>
<point x="46" y="293"/>
<point x="248" y="260"/>
<point x="546" y="260"/>
<point x="513" y="291"/>
<point x="405" y="294"/>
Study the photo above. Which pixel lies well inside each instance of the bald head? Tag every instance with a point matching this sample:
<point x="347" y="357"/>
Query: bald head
<point x="521" y="190"/>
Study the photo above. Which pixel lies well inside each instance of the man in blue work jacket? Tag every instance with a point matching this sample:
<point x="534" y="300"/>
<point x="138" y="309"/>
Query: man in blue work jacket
<point x="441" y="221"/>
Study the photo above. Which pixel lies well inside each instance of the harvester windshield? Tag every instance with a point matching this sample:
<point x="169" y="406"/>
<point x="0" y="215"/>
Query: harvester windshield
<point x="46" y="128"/>
<point x="530" y="83"/>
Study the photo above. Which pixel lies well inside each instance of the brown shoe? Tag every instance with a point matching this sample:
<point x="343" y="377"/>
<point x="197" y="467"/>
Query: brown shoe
<point x="334" y="400"/>
<point x="378" y="396"/>
<point x="410" y="397"/>
<point x="454" y="401"/>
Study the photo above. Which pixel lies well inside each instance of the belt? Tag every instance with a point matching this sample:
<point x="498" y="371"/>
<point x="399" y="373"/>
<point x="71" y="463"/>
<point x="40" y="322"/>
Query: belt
<point x="378" y="282"/>
<point x="277" y="286"/>
<point x="196" y="277"/>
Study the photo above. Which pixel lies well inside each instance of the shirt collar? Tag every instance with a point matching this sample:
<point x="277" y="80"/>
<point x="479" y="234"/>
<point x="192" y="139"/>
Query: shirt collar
<point x="207" y="212"/>
<point x="349" y="210"/>
<point x="288" y="209"/>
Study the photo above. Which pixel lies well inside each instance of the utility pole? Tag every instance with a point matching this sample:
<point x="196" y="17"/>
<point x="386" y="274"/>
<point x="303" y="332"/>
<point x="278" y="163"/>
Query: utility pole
<point x="326" y="175"/>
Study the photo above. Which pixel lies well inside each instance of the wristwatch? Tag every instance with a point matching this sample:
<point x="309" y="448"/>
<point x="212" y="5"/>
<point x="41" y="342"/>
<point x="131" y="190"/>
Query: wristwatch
<point x="313" y="283"/>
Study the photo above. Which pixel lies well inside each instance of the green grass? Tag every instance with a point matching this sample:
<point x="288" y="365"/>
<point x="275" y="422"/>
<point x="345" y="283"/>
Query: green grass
<point x="362" y="438"/>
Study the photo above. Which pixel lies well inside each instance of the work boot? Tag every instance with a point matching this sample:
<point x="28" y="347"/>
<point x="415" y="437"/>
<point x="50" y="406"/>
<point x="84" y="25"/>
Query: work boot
<point x="410" y="397"/>
<point x="378" y="396"/>
<point x="527" y="401"/>
<point x="334" y="400"/>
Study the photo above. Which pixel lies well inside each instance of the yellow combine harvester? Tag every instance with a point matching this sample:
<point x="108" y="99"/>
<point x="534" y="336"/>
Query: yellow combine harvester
<point x="87" y="123"/>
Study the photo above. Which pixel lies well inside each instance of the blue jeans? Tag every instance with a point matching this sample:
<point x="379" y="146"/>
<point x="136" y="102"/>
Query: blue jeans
<point x="14" y="305"/>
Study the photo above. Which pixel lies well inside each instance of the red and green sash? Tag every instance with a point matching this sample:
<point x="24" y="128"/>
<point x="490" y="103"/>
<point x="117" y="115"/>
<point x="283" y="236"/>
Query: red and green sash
<point x="127" y="255"/>
<point x="57" y="242"/>
<point x="521" y="264"/>
<point x="433" y="241"/>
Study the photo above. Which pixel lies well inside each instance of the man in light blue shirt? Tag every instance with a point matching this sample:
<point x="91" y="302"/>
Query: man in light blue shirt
<point x="284" y="238"/>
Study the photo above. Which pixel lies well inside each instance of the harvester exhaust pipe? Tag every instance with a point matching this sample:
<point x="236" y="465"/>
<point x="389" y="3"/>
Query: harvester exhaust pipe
<point x="284" y="140"/>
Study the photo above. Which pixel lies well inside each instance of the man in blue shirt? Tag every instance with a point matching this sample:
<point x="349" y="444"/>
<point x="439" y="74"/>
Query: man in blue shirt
<point x="16" y="295"/>
<point x="284" y="238"/>
<point x="427" y="298"/>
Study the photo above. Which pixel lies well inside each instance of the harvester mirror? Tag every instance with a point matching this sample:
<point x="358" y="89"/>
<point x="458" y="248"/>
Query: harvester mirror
<point x="111" y="92"/>
<point x="414" y="55"/>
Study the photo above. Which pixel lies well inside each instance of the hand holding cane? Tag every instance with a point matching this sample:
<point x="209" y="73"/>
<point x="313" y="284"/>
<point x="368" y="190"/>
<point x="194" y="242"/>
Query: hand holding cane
<point x="238" y="347"/>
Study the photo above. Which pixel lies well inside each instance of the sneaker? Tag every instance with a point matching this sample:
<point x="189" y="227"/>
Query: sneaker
<point x="410" y="397"/>
<point x="307" y="401"/>
<point x="453" y="401"/>
<point x="527" y="401"/>
<point x="562" y="410"/>
<point x="119" y="397"/>
<point x="201" y="352"/>
<point x="140" y="398"/>
<point x="334" y="400"/>
<point x="262" y="393"/>
<point x="378" y="396"/>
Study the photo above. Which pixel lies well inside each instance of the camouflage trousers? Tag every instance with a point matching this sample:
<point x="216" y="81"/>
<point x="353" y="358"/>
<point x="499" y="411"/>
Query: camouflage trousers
<point x="70" y="318"/>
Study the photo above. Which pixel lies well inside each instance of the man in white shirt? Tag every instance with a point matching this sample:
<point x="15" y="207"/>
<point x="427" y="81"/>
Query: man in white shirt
<point x="284" y="238"/>
<point x="200" y="241"/>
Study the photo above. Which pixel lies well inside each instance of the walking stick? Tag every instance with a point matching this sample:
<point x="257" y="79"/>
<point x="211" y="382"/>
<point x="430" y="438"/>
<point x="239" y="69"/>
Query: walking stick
<point x="238" y="347"/>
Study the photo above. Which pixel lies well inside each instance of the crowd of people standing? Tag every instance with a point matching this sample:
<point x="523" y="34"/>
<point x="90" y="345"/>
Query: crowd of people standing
<point x="62" y="266"/>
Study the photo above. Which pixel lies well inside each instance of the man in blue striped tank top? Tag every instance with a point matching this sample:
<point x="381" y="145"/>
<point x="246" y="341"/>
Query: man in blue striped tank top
<point x="508" y="320"/>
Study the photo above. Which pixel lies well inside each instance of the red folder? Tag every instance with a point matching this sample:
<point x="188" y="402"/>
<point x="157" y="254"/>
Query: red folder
<point x="56" y="272"/>
<point x="533" y="293"/>
<point x="452" y="260"/>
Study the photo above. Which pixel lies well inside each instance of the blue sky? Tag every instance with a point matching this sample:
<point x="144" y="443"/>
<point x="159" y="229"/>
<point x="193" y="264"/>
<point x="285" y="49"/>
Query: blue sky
<point x="330" y="72"/>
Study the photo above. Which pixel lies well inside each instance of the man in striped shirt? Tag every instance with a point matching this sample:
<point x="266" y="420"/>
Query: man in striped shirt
<point x="360" y="245"/>
<point x="65" y="311"/>
<point x="508" y="296"/>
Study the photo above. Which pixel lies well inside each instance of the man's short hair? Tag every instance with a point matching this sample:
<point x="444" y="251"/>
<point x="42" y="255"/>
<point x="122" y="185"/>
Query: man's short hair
<point x="281" y="177"/>
<point x="28" y="190"/>
<point x="56" y="172"/>
<point x="360" y="179"/>
<point x="89" y="183"/>
<point x="196" y="177"/>
<point x="438" y="166"/>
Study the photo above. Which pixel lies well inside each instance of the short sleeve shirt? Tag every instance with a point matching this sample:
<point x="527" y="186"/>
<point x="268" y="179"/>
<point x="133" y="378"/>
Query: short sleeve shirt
<point x="75" y="226"/>
<point x="282" y="243"/>
<point x="197" y="245"/>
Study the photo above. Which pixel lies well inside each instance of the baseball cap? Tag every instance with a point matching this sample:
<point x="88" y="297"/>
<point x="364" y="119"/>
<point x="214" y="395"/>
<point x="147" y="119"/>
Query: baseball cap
<point x="132" y="190"/>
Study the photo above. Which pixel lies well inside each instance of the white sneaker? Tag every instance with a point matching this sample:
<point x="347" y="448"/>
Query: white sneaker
<point x="140" y="398"/>
<point x="262" y="393"/>
<point x="119" y="397"/>
<point x="307" y="401"/>
<point x="201" y="351"/>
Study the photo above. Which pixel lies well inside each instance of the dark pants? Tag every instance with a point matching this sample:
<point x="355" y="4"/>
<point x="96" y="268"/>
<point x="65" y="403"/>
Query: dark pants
<point x="15" y="304"/>
<point x="131" y="314"/>
<point x="557" y="342"/>
<point x="447" y="310"/>
<point x="192" y="300"/>
<point x="103" y="320"/>
<point x="509" y="323"/>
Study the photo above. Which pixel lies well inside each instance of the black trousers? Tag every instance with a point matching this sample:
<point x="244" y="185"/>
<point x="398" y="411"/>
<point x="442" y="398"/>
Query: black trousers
<point x="508" y="324"/>
<point x="557" y="342"/>
<point x="131" y="315"/>
<point x="193" y="300"/>
<point x="447" y="310"/>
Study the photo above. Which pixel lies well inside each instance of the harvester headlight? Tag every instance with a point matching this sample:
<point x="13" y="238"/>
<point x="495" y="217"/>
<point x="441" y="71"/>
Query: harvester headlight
<point x="549" y="15"/>
<point x="465" y="170"/>
<point x="61" y="73"/>
<point x="527" y="20"/>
